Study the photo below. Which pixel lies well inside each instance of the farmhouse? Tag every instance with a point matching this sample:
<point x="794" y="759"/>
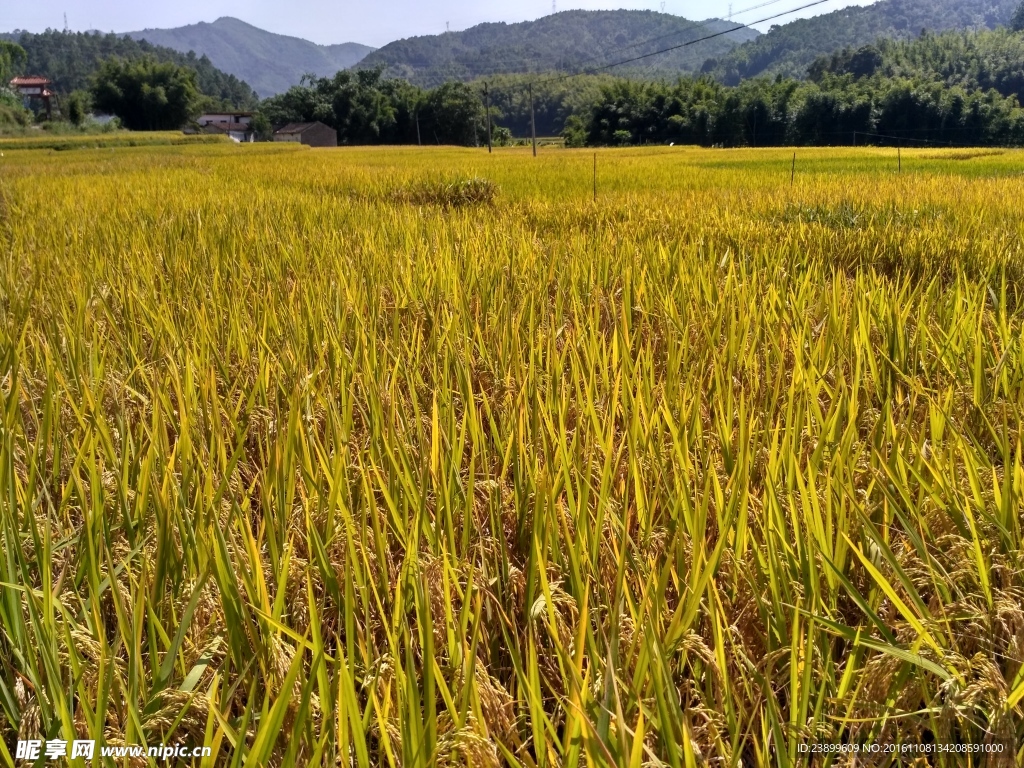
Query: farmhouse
<point x="237" y="125"/>
<point x="34" y="89"/>
<point x="311" y="134"/>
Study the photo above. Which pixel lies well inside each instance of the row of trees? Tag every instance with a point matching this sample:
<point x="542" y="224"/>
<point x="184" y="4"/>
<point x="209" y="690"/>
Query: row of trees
<point x="366" y="108"/>
<point x="837" y="111"/>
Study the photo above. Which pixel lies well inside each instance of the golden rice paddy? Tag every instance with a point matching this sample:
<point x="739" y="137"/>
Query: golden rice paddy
<point x="429" y="457"/>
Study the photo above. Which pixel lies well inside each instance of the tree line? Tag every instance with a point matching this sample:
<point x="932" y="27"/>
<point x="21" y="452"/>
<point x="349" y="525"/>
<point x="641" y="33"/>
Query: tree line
<point x="364" y="107"/>
<point x="957" y="88"/>
<point x="838" y="110"/>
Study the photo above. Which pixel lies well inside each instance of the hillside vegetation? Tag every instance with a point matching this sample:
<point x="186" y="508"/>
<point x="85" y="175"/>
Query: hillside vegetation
<point x="789" y="49"/>
<point x="567" y="41"/>
<point x="71" y="58"/>
<point x="271" y="63"/>
<point x="971" y="60"/>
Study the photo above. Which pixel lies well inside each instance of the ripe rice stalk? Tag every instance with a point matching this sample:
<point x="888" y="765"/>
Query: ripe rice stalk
<point x="317" y="473"/>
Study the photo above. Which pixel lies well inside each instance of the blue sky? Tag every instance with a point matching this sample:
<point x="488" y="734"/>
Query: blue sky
<point x="337" y="21"/>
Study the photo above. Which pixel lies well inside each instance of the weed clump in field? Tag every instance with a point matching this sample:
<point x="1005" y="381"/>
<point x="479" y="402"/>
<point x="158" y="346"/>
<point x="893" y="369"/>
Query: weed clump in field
<point x="448" y="193"/>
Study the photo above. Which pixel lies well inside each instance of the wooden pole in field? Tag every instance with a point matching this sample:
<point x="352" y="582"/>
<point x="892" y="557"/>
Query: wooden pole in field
<point x="899" y="158"/>
<point x="595" y="177"/>
<point x="792" y="173"/>
<point x="419" y="141"/>
<point x="533" y="122"/>
<point x="487" y="101"/>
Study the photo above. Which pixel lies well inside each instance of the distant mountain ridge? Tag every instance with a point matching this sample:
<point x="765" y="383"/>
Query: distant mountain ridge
<point x="789" y="49"/>
<point x="566" y="41"/>
<point x="269" y="62"/>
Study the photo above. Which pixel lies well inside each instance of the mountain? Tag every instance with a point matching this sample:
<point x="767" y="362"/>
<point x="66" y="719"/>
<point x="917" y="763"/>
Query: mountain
<point x="567" y="41"/>
<point x="269" y="62"/>
<point x="70" y="58"/>
<point x="789" y="49"/>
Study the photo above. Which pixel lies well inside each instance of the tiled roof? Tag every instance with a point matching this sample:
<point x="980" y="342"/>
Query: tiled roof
<point x="30" y="80"/>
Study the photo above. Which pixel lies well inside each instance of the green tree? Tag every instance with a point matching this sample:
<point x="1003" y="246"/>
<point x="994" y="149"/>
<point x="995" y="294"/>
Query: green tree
<point x="261" y="125"/>
<point x="77" y="106"/>
<point x="575" y="131"/>
<point x="145" y="94"/>
<point x="12" y="60"/>
<point x="453" y="114"/>
<point x="1017" y="20"/>
<point x="362" y="106"/>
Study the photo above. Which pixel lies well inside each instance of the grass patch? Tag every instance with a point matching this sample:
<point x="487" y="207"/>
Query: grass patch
<point x="108" y="140"/>
<point x="963" y="154"/>
<point x="455" y="192"/>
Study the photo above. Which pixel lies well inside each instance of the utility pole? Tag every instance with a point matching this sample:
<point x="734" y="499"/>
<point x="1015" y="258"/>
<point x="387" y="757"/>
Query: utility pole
<point x="419" y="141"/>
<point x="487" y="106"/>
<point x="792" y="173"/>
<point x="533" y="122"/>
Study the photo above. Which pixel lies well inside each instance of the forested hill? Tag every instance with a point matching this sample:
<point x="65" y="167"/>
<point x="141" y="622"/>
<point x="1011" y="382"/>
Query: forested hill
<point x="271" y="63"/>
<point x="789" y="49"/>
<point x="566" y="41"/>
<point x="70" y="59"/>
<point x="971" y="61"/>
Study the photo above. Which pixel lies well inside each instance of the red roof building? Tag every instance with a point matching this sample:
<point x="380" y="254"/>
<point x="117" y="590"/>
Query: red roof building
<point x="34" y="87"/>
<point x="30" y="81"/>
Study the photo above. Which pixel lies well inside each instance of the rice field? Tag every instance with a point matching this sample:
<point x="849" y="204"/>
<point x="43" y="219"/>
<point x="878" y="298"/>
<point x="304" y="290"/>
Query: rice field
<point x="429" y="457"/>
<point x="62" y="142"/>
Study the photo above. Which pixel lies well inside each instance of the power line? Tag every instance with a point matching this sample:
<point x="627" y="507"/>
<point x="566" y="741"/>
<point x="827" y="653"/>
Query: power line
<point x="695" y="26"/>
<point x="509" y="62"/>
<point x="694" y="42"/>
<point x="691" y="28"/>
